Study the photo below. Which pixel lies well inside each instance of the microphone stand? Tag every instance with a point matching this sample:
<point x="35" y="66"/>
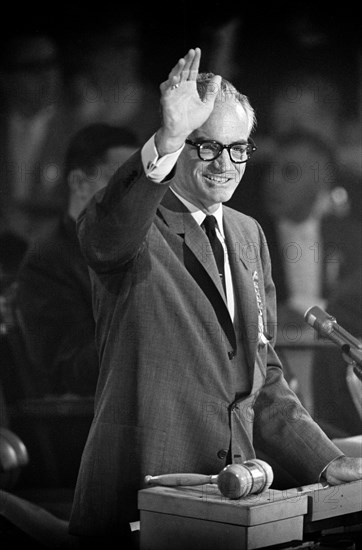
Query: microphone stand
<point x="353" y="358"/>
<point x="350" y="346"/>
<point x="356" y="355"/>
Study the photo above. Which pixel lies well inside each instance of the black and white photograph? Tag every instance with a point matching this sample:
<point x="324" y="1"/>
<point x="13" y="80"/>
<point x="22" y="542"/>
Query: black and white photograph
<point x="181" y="276"/>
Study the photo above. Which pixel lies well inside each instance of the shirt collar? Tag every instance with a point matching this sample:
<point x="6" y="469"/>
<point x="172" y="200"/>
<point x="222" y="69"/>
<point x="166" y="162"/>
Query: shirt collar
<point x="199" y="215"/>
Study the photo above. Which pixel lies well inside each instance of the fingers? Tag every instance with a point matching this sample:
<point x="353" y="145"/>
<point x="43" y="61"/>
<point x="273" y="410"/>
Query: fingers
<point x="174" y="74"/>
<point x="192" y="63"/>
<point x="186" y="68"/>
<point x="195" y="64"/>
<point x="343" y="470"/>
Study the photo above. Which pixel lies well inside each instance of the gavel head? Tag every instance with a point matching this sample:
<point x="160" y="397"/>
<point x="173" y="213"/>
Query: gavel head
<point x="239" y="480"/>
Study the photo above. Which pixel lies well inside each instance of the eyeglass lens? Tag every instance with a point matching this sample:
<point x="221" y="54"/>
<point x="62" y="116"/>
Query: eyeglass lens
<point x="238" y="152"/>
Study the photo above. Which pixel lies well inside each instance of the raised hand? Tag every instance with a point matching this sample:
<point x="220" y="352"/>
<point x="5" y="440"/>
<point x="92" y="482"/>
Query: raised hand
<point x="182" y="109"/>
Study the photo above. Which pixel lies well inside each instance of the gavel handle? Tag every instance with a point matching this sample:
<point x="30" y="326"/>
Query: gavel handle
<point x="173" y="480"/>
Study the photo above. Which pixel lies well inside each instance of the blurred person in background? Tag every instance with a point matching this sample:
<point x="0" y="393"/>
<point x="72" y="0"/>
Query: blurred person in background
<point x="305" y="214"/>
<point x="37" y="122"/>
<point x="52" y="346"/>
<point x="308" y="100"/>
<point x="53" y="294"/>
<point x="313" y="242"/>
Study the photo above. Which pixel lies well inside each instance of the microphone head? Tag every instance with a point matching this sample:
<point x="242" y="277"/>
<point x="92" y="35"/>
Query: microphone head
<point x="319" y="319"/>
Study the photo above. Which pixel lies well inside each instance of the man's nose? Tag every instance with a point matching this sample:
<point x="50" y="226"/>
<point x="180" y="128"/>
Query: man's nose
<point x="223" y="159"/>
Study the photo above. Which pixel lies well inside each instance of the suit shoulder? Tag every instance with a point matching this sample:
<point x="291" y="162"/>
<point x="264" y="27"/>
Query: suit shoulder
<point x="244" y="220"/>
<point x="236" y="214"/>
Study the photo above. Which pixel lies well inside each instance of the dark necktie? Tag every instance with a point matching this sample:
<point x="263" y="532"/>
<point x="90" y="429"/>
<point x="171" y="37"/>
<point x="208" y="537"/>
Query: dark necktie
<point x="209" y="225"/>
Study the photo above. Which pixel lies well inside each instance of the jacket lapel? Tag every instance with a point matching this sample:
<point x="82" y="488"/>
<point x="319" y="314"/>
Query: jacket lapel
<point x="179" y="219"/>
<point x="198" y="254"/>
<point x="240" y="252"/>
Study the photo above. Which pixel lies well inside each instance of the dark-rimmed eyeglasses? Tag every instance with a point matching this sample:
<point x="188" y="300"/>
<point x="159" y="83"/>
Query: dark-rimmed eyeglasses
<point x="210" y="149"/>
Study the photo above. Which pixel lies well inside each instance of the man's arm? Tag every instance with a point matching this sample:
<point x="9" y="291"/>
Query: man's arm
<point x="114" y="226"/>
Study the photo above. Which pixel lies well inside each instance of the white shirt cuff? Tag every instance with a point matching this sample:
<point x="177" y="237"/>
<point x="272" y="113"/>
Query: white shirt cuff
<point x="157" y="168"/>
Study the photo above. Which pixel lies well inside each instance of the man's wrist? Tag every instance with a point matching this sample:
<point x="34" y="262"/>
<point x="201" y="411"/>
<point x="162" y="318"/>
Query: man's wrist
<point x="167" y="144"/>
<point x="158" y="168"/>
<point x="323" y="475"/>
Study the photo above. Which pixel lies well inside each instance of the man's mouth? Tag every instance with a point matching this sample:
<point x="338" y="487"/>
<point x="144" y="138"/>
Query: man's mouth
<point x="217" y="179"/>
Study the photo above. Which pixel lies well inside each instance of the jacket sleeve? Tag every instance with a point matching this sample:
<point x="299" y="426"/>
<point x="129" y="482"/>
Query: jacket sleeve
<point x="113" y="227"/>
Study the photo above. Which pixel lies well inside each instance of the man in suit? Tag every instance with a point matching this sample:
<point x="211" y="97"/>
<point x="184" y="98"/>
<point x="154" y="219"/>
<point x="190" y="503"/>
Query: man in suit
<point x="189" y="380"/>
<point x="53" y="291"/>
<point x="53" y="301"/>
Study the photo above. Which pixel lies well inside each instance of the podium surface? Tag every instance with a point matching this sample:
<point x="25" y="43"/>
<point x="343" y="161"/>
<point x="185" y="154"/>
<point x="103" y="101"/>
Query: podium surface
<point x="188" y="518"/>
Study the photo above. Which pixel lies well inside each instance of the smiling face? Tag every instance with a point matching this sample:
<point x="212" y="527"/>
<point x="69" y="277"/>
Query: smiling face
<point x="206" y="184"/>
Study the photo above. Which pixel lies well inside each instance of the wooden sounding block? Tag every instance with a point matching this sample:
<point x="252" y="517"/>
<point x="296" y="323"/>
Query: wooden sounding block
<point x="336" y="505"/>
<point x="200" y="517"/>
<point x="184" y="518"/>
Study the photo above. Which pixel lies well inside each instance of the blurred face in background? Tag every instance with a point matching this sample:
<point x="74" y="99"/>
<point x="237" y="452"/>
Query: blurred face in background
<point x="85" y="183"/>
<point x="113" y="159"/>
<point x="307" y="103"/>
<point x="295" y="180"/>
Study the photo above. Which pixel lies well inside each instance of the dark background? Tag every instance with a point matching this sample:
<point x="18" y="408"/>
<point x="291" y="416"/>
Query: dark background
<point x="273" y="35"/>
<point x="272" y="39"/>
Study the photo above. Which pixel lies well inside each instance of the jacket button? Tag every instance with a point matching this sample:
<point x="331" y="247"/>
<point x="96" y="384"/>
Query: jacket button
<point x="222" y="453"/>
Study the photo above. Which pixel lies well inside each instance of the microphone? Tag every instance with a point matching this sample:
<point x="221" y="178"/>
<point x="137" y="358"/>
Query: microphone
<point x="326" y="325"/>
<point x="234" y="481"/>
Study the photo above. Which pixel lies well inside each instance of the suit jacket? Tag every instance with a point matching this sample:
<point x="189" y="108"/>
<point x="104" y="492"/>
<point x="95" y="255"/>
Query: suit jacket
<point x="171" y="392"/>
<point x="54" y="301"/>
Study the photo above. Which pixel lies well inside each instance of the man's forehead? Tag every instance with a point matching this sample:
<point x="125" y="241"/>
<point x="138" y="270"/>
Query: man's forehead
<point x="228" y="103"/>
<point x="228" y="114"/>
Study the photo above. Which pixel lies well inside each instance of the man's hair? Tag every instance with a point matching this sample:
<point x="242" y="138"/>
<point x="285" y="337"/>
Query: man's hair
<point x="226" y="90"/>
<point x="89" y="146"/>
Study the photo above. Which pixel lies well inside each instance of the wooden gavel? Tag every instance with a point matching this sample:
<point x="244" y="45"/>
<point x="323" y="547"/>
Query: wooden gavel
<point x="234" y="481"/>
